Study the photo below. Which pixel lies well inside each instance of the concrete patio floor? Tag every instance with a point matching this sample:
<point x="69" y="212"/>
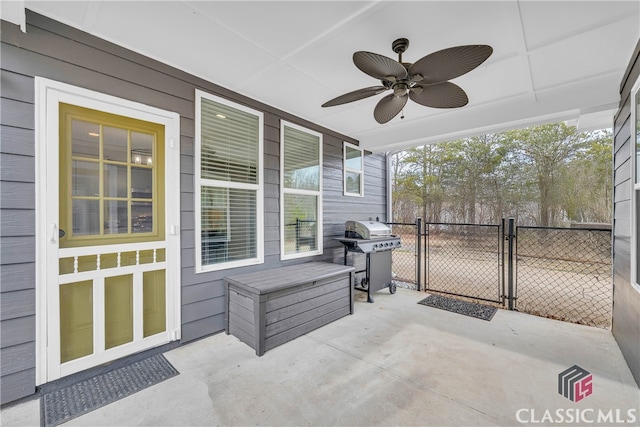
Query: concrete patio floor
<point x="394" y="362"/>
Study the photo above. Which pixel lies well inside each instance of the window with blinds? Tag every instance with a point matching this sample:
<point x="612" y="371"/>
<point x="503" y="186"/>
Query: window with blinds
<point x="229" y="213"/>
<point x="353" y="170"/>
<point x="301" y="194"/>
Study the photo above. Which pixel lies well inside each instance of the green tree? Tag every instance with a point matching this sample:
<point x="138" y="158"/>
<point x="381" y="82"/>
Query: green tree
<point x="544" y="151"/>
<point x="475" y="170"/>
<point x="587" y="180"/>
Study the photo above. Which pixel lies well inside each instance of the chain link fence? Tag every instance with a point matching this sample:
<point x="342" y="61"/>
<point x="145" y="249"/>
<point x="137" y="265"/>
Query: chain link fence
<point x="464" y="260"/>
<point x="564" y="274"/>
<point x="559" y="273"/>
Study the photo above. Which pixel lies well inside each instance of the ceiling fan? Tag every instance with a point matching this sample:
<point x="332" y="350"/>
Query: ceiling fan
<point x="426" y="81"/>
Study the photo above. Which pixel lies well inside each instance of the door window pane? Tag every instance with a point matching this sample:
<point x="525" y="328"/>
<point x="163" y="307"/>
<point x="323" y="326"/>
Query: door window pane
<point x="85" y="178"/>
<point x="115" y="180"/>
<point x="115" y="144"/>
<point x="141" y="183"/>
<point x="86" y="217"/>
<point x="118" y="310"/>
<point x="76" y="320"/>
<point x="141" y="217"/>
<point x="115" y="217"/>
<point x="85" y="139"/>
<point x="142" y="148"/>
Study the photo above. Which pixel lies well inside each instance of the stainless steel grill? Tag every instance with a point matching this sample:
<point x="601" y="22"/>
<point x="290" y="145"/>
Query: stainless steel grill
<point x="375" y="241"/>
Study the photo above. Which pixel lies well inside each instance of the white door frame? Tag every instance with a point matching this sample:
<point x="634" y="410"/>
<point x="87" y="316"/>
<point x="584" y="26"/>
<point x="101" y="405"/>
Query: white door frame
<point x="48" y="95"/>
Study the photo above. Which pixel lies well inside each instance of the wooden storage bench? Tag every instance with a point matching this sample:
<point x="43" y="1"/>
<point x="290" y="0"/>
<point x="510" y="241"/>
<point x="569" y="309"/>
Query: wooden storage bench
<point x="270" y="307"/>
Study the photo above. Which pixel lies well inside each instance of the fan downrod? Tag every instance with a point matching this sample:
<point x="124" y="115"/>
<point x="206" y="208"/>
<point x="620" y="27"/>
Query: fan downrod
<point x="399" y="46"/>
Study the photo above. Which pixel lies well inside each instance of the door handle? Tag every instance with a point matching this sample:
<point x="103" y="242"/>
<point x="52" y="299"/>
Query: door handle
<point x="54" y="229"/>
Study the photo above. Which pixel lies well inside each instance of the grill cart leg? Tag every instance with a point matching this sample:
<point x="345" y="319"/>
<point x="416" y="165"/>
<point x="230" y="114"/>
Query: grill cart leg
<point x="369" y="297"/>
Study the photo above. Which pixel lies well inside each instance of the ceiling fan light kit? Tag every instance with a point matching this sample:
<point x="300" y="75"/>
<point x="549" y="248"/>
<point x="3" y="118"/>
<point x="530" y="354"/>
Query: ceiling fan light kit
<point x="425" y="81"/>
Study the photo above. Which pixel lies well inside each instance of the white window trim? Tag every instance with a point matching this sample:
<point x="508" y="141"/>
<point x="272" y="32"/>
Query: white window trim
<point x="345" y="170"/>
<point x="635" y="188"/>
<point x="199" y="182"/>
<point x="319" y="228"/>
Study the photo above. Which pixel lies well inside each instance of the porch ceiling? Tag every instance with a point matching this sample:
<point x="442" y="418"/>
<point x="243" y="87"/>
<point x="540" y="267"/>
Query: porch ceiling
<point x="552" y="61"/>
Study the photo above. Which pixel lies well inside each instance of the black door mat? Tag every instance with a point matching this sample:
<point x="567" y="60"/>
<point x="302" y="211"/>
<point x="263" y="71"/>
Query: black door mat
<point x="64" y="404"/>
<point x="471" y="309"/>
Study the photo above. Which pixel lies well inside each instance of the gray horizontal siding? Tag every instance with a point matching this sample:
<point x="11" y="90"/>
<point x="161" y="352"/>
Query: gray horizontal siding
<point x="16" y="277"/>
<point x="58" y="52"/>
<point x="17" y="331"/>
<point x="16" y="140"/>
<point x="18" y="358"/>
<point x="18" y="385"/>
<point x="626" y="299"/>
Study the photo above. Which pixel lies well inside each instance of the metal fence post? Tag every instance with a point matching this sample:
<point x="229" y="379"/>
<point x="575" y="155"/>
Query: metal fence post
<point x="503" y="238"/>
<point x="419" y="245"/>
<point x="511" y="236"/>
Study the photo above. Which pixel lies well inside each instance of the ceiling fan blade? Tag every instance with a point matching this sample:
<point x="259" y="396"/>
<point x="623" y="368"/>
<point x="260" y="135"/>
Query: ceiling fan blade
<point x="356" y="95"/>
<point x="389" y="107"/>
<point x="379" y="66"/>
<point x="450" y="63"/>
<point x="440" y="95"/>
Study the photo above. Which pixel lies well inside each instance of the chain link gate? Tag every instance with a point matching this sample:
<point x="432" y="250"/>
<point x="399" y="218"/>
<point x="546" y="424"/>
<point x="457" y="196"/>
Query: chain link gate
<point x="464" y="260"/>
<point x="406" y="261"/>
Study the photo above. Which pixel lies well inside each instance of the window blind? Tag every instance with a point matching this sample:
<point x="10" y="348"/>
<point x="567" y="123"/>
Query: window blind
<point x="230" y="145"/>
<point x="301" y="160"/>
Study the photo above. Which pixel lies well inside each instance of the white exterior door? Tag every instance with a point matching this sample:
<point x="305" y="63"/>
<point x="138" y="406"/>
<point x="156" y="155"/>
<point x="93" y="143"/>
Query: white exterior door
<point x="108" y="252"/>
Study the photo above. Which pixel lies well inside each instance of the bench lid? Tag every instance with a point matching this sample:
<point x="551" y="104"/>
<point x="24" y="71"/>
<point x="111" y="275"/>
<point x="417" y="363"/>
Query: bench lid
<point x="275" y="279"/>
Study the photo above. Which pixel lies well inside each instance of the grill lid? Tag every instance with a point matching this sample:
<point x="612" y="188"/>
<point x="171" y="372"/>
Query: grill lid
<point x="366" y="229"/>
